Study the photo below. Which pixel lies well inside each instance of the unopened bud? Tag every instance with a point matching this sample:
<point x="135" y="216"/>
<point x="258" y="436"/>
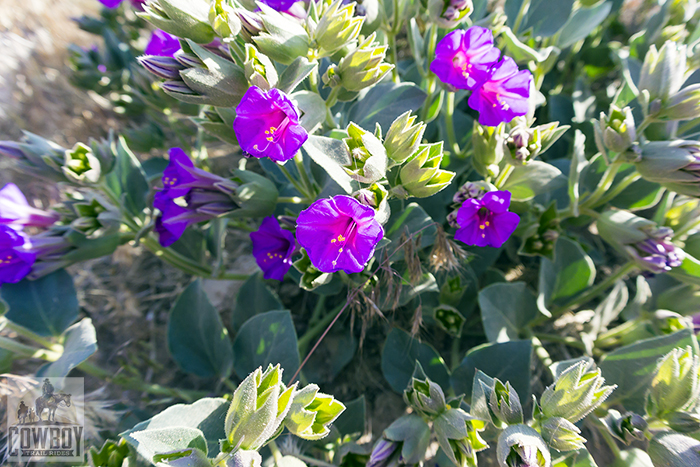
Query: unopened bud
<point x="663" y="71"/>
<point x="675" y="384"/>
<point x="522" y="446"/>
<point x="404" y="137"/>
<point x="422" y="176"/>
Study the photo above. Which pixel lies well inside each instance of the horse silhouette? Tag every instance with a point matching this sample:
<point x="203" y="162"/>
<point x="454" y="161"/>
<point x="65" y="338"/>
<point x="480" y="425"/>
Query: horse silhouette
<point x="22" y="413"/>
<point x="51" y="404"/>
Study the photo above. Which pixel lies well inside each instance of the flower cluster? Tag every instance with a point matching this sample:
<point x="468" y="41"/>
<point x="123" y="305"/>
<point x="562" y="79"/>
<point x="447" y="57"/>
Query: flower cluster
<point x="189" y="195"/>
<point x="467" y="59"/>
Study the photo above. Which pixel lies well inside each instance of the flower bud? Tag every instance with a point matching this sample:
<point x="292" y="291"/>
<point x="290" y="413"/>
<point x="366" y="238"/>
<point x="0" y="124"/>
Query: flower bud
<point x="361" y="68"/>
<point x="425" y="396"/>
<point x="283" y="38"/>
<point x="337" y="28"/>
<point x="458" y="435"/>
<point x="663" y="71"/>
<point x="449" y="13"/>
<point x="470" y="190"/>
<point x="81" y="166"/>
<point x="258" y="408"/>
<point x="576" y="392"/>
<point x="505" y="403"/>
<point x="368" y="161"/>
<point x="489" y="145"/>
<point x="684" y="422"/>
<point x="36" y="156"/>
<point x="403" y="137"/>
<point x="642" y="240"/>
<point x="251" y="24"/>
<point x="562" y="435"/>
<point x="311" y="413"/>
<point x="382" y="454"/>
<point x="627" y="427"/>
<point x="90" y="214"/>
<point x="671" y="449"/>
<point x="223" y="19"/>
<point x="259" y="70"/>
<point x="412" y="434"/>
<point x="684" y="105"/>
<point x="673" y="164"/>
<point x="616" y="131"/>
<point x="522" y="446"/>
<point x="422" y="176"/>
<point x="162" y="67"/>
<point x="244" y="458"/>
<point x="255" y="195"/>
<point x="375" y="196"/>
<point x="188" y="19"/>
<point x="675" y="384"/>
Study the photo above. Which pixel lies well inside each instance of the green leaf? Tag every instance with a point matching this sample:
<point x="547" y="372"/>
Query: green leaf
<point x="127" y="180"/>
<point x="688" y="272"/>
<point x="332" y="155"/>
<point x="530" y="180"/>
<point x="578" y="163"/>
<point x="546" y="17"/>
<point x="148" y="443"/>
<point x="512" y="8"/>
<point x="80" y="342"/>
<point x="435" y="107"/>
<point x="507" y="361"/>
<point x="506" y="308"/>
<point x="333" y="354"/>
<point x="384" y="102"/>
<point x="571" y="272"/>
<point x="352" y="421"/>
<point x="197" y="339"/>
<point x="411" y="220"/>
<point x="399" y="357"/>
<point x="580" y="458"/>
<point x="631" y="367"/>
<point x="582" y="23"/>
<point x="190" y="457"/>
<point x="633" y="457"/>
<point x="294" y="74"/>
<point x="313" y="109"/>
<point x="254" y="298"/>
<point x="46" y="306"/>
<point x="268" y="338"/>
<point x="640" y="195"/>
<point x="206" y="415"/>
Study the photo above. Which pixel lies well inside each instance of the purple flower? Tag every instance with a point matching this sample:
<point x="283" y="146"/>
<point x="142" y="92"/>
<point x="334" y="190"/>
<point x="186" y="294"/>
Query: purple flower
<point x="111" y="3"/>
<point x="273" y="248"/>
<point x="189" y="196"/>
<point x="382" y="452"/>
<point x="504" y="95"/>
<point x="15" y="260"/>
<point x="279" y="5"/>
<point x="463" y="58"/>
<point x="17" y="213"/>
<point x="339" y="234"/>
<point x="657" y="253"/>
<point x="162" y="44"/>
<point x="486" y="221"/>
<point x="267" y="125"/>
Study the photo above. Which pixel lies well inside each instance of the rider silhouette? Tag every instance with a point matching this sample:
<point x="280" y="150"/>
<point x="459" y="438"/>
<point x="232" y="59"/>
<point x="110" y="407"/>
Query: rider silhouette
<point x="47" y="389"/>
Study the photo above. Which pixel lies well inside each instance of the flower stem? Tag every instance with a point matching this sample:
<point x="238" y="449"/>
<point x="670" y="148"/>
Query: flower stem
<point x="290" y="200"/>
<point x="519" y="19"/>
<point x="299" y="161"/>
<point x="293" y="180"/>
<point x="316" y="329"/>
<point x="394" y="54"/>
<point x="597" y="289"/>
<point x="503" y="176"/>
<point x="449" y="123"/>
<point x="26" y="333"/>
<point x="604" y="185"/>
<point x="619" y="188"/>
<point x="566" y="340"/>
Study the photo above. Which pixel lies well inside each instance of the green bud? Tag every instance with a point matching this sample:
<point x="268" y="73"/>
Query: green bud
<point x="111" y="454"/>
<point x="256" y="195"/>
<point x="489" y="148"/>
<point x="337" y="28"/>
<point x="90" y="214"/>
<point x="81" y="166"/>
<point x="259" y="70"/>
<point x="368" y="161"/>
<point x="36" y="156"/>
<point x="414" y="435"/>
<point x="258" y="408"/>
<point x="449" y="13"/>
<point x="663" y="71"/>
<point x="458" y="435"/>
<point x="403" y="137"/>
<point x="627" y="427"/>
<point x="675" y="384"/>
<point x="673" y="164"/>
<point x="183" y="18"/>
<point x="576" y="392"/>
<point x="312" y="412"/>
<point x="283" y="39"/>
<point x="361" y="68"/>
<point x="377" y="197"/>
<point x="615" y="131"/>
<point x="684" y="105"/>
<point x="520" y="445"/>
<point x="425" y="396"/>
<point x="684" y="422"/>
<point x="505" y="403"/>
<point x="562" y="435"/>
<point x="448" y="317"/>
<point x="244" y="458"/>
<point x="223" y="19"/>
<point x="422" y="176"/>
<point x="669" y="449"/>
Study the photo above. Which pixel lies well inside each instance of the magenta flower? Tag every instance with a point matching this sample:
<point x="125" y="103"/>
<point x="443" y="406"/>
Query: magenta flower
<point x="189" y="196"/>
<point x="486" y="221"/>
<point x="273" y="248"/>
<point x="111" y="3"/>
<point x="162" y="44"/>
<point x="504" y="96"/>
<point x="657" y="253"/>
<point x="16" y="212"/>
<point x="267" y="125"/>
<point x="279" y="5"/>
<point x="15" y="259"/>
<point x="463" y="58"/>
<point x="339" y="234"/>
